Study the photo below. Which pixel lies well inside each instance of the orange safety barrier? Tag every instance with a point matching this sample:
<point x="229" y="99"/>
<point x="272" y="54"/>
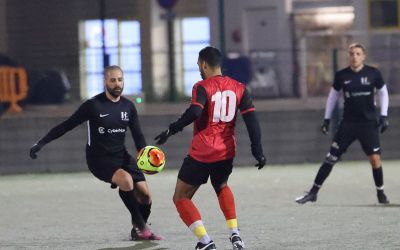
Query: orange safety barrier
<point x="13" y="87"/>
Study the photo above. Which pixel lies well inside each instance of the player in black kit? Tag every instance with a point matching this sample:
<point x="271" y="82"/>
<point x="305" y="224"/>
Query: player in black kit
<point x="108" y="115"/>
<point x="358" y="83"/>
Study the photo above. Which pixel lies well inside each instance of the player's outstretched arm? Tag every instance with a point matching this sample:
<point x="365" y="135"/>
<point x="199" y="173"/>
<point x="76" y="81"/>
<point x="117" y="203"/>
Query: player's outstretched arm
<point x="34" y="149"/>
<point x="383" y="123"/>
<point x="253" y="128"/>
<point x="199" y="99"/>
<point x="74" y="120"/>
<point x="53" y="134"/>
<point x="329" y="107"/>
<point x="136" y="130"/>
<point x="191" y="114"/>
<point x="384" y="104"/>
<point x="325" y="126"/>
<point x="162" y="137"/>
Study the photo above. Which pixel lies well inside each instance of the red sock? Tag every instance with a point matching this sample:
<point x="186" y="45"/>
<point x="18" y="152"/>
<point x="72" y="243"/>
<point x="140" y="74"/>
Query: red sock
<point x="227" y="203"/>
<point x="187" y="211"/>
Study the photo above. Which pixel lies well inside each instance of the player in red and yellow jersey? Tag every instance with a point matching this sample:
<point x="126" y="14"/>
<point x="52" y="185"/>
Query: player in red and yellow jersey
<point x="215" y="104"/>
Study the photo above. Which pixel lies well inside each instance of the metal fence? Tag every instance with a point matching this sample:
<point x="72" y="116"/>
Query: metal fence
<point x="321" y="53"/>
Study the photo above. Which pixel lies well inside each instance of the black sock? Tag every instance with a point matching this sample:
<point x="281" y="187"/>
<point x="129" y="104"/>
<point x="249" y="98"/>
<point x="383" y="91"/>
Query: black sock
<point x="145" y="210"/>
<point x="130" y="202"/>
<point x="322" y="174"/>
<point x="378" y="177"/>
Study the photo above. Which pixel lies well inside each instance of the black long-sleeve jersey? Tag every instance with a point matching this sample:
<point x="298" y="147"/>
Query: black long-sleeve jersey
<point x="359" y="91"/>
<point x="107" y="123"/>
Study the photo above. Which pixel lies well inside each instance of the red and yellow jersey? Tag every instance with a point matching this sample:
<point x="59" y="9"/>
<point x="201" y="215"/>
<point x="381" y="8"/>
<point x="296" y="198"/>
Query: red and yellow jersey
<point x="214" y="131"/>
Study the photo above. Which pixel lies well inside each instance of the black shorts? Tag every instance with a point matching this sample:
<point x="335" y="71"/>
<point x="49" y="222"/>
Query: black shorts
<point x="104" y="167"/>
<point x="366" y="133"/>
<point x="196" y="173"/>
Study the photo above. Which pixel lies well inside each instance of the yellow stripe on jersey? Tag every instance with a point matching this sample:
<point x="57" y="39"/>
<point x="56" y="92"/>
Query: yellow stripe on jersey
<point x="232" y="223"/>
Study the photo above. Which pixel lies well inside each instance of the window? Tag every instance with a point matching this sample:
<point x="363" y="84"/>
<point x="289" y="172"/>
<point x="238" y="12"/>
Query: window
<point x="122" y="43"/>
<point x="195" y="36"/>
<point x="384" y="14"/>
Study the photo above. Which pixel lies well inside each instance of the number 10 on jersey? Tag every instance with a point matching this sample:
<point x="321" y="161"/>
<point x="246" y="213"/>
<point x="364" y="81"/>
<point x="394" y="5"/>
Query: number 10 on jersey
<point x="224" y="106"/>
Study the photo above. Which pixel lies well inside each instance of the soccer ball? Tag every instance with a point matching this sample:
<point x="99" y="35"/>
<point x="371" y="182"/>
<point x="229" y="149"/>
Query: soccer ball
<point x="151" y="160"/>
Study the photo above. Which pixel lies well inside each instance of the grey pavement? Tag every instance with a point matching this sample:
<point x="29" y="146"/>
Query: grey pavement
<point x="76" y="211"/>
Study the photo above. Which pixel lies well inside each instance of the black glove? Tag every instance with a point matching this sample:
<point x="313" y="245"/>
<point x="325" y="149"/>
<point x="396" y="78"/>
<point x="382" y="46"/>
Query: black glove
<point x="34" y="149"/>
<point x="383" y="123"/>
<point x="257" y="152"/>
<point x="163" y="137"/>
<point x="325" y="126"/>
<point x="261" y="162"/>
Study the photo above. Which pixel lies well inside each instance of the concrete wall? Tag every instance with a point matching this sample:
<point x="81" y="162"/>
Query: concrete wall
<point x="288" y="137"/>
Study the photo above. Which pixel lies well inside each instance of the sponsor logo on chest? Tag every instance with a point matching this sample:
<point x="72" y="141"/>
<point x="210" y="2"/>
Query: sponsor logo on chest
<point x="103" y="130"/>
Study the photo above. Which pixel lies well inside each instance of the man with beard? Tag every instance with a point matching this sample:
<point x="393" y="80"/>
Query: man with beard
<point x="108" y="115"/>
<point x="215" y="102"/>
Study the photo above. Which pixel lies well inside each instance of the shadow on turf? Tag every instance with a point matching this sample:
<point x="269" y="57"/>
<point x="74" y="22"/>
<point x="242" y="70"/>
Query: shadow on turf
<point x="139" y="246"/>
